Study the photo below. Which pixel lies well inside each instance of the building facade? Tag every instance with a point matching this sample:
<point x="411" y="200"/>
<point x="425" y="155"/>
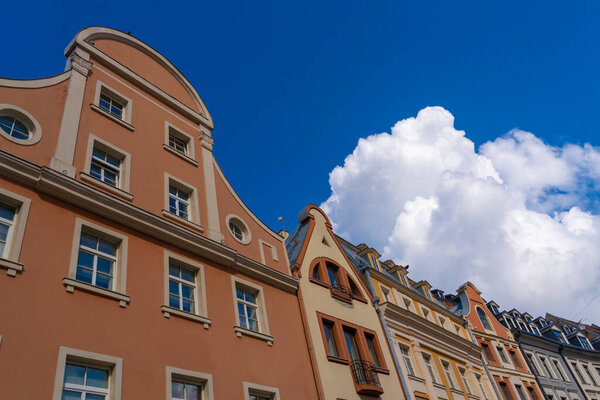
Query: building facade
<point x="133" y="269"/>
<point x="502" y="356"/>
<point x="349" y="347"/>
<point x="434" y="351"/>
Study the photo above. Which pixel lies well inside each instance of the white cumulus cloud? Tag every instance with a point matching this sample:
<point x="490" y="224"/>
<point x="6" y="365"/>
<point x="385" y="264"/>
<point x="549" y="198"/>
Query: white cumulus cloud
<point x="516" y="217"/>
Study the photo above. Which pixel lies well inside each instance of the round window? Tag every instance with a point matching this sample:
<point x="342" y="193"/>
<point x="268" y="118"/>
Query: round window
<point x="238" y="229"/>
<point x="18" y="126"/>
<point x="15" y="128"/>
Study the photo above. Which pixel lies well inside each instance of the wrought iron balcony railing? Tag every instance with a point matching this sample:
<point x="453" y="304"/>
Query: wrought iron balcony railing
<point x="341" y="292"/>
<point x="365" y="377"/>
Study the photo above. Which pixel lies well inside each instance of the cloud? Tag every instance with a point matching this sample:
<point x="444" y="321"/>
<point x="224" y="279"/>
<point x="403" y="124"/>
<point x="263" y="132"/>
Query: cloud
<point x="517" y="217"/>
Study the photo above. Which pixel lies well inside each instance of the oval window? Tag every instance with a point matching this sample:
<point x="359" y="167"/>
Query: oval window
<point x="238" y="229"/>
<point x="15" y="128"/>
<point x="18" y="126"/>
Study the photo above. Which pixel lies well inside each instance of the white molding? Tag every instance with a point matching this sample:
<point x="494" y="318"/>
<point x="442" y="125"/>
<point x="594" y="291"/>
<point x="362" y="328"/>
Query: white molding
<point x="113" y="93"/>
<point x="26" y="118"/>
<point x="200" y="295"/>
<point x="194" y="209"/>
<point x="189" y="138"/>
<point x="260" y="389"/>
<point x="190" y="376"/>
<point x="263" y="258"/>
<point x="49" y="181"/>
<point x="11" y="267"/>
<point x="263" y="322"/>
<point x="108" y="115"/>
<point x="124" y="170"/>
<point x="16" y="241"/>
<point x="84" y="176"/>
<point x="245" y="230"/>
<point x="71" y="284"/>
<point x="35" y="83"/>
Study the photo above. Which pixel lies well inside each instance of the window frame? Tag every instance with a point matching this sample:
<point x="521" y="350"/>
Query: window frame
<point x="201" y="314"/>
<point x="190" y="154"/>
<point x="103" y="361"/>
<point x="106" y="90"/>
<point x="462" y="372"/>
<point x="407" y="358"/>
<point x="123" y="188"/>
<point x="485" y="320"/>
<point x="193" y="219"/>
<point x="9" y="260"/>
<point x="245" y="231"/>
<point x="429" y="362"/>
<point x="119" y="288"/>
<point x="559" y="368"/>
<point x="260" y="390"/>
<point x="343" y="276"/>
<point x="449" y="374"/>
<point x="32" y="125"/>
<point x="263" y="332"/>
<point x="192" y="377"/>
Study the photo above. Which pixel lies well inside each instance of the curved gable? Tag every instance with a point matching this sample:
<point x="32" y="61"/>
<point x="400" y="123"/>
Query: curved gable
<point x="149" y="64"/>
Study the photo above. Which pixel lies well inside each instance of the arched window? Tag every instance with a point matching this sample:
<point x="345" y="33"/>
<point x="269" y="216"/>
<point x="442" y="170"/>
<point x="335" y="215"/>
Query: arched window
<point x="332" y="273"/>
<point x="315" y="273"/>
<point x="327" y="273"/>
<point x="483" y="318"/>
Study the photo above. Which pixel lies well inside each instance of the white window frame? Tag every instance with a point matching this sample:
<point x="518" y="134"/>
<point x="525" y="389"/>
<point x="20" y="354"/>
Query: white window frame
<point x="103" y="88"/>
<point x="463" y="375"/>
<point x="450" y="376"/>
<point x="12" y="250"/>
<point x="560" y="369"/>
<point x="193" y="219"/>
<point x="190" y="154"/>
<point x="237" y="220"/>
<point x="386" y="293"/>
<point x="407" y="358"/>
<point x="431" y="368"/>
<point x="201" y="314"/>
<point x="193" y="377"/>
<point x="261" y="390"/>
<point x="263" y="332"/>
<point x="478" y="378"/>
<point x="70" y="355"/>
<point x="547" y="367"/>
<point x="120" y="274"/>
<point x="35" y="129"/>
<point x="122" y="188"/>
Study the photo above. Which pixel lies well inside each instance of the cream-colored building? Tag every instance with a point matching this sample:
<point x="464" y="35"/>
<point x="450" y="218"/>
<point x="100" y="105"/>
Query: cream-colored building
<point x="348" y="346"/>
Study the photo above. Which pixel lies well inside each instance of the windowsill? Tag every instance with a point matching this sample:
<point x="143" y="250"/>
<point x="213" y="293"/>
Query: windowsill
<point x="168" y="311"/>
<point x="416" y="378"/>
<point x="338" y="360"/>
<point x="381" y="370"/>
<point x="71" y="284"/>
<point x="183" y="221"/>
<point x="180" y="155"/>
<point x="318" y="282"/>
<point x="11" y="267"/>
<point x="243" y="331"/>
<point x="457" y="391"/>
<point x="473" y="396"/>
<point x="438" y="385"/>
<point x="112" y="117"/>
<point x="114" y="190"/>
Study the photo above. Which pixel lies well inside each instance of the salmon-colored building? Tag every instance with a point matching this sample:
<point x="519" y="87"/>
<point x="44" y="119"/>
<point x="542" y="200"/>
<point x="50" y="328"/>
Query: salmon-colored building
<point x="132" y="268"/>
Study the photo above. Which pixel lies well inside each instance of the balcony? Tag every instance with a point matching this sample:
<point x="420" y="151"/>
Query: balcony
<point x="365" y="377"/>
<point x="341" y="292"/>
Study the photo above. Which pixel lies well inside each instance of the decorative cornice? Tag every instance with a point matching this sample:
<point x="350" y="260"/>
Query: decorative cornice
<point x="79" y="64"/>
<point x="207" y="141"/>
<point x="69" y="190"/>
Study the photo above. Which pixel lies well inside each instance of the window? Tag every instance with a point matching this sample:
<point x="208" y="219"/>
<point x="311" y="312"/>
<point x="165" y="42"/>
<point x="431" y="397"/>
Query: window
<point x="257" y="396"/>
<point x="547" y="367"/>
<point x="105" y="167"/>
<point x="448" y="372"/>
<point x="182" y="288"/>
<point x="338" y="280"/>
<point x="505" y="392"/>
<point x="404" y="280"/>
<point x="487" y="352"/>
<point x="86" y="375"/>
<point x="178" y="144"/>
<point x="584" y="343"/>
<point x="250" y="311"/>
<point x="370" y="339"/>
<point x="429" y="366"/>
<point x="520" y="392"/>
<point x="404" y="351"/>
<point x="494" y="308"/>
<point x="259" y="392"/>
<point x="514" y="358"/>
<point x="386" y="294"/>
<point x="238" y="229"/>
<point x="98" y="262"/>
<point x="542" y="323"/>
<point x="375" y="262"/>
<point x="533" y="364"/>
<point x="589" y="373"/>
<point x="463" y="376"/>
<point x="112" y="104"/>
<point x="578" y="372"/>
<point x="316" y="274"/>
<point x="18" y="126"/>
<point x="14" y="210"/>
<point x="559" y="369"/>
<point x="502" y="354"/>
<point x="481" y="388"/>
<point x="566" y="329"/>
<point x="188" y="385"/>
<point x="535" y="330"/>
<point x="330" y="339"/>
<point x="559" y="336"/>
<point x="483" y="318"/>
<point x="181" y="202"/>
<point x="332" y="274"/>
<point x="352" y="346"/>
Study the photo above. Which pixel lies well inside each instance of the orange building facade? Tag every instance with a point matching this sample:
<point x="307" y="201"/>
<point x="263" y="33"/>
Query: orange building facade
<point x="132" y="268"/>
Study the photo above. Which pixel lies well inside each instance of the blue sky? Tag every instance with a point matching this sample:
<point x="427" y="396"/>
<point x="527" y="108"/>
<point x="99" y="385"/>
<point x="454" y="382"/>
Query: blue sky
<point x="293" y="87"/>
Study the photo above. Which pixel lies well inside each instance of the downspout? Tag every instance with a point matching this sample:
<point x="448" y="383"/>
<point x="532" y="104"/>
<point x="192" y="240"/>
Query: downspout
<point x="573" y="374"/>
<point x="484" y="362"/>
<point x="517" y="335"/>
<point x="388" y="335"/>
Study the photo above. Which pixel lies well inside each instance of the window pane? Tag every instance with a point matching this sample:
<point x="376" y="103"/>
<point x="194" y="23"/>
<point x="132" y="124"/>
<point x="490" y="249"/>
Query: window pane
<point x="173" y="287"/>
<point x="68" y="395"/>
<point x="74" y="374"/>
<point x="253" y="325"/>
<point x="173" y="270"/>
<point x="173" y="301"/>
<point x="88" y="241"/>
<point x="104" y="265"/>
<point x="331" y="346"/>
<point x="3" y="232"/>
<point x="177" y="390"/>
<point x="97" y="377"/>
<point x="191" y="392"/>
<point x="239" y="293"/>
<point x="187" y="275"/>
<point x="250" y="297"/>
<point x="89" y="396"/>
<point x="85" y="259"/>
<point x="83" y="275"/>
<point x="187" y="306"/>
<point x="187" y="292"/>
<point x="107" y="247"/>
<point x="251" y="312"/>
<point x="103" y="281"/>
<point x="7" y="212"/>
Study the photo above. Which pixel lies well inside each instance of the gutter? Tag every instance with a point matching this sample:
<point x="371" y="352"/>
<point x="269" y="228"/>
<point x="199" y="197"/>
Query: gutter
<point x="388" y="335"/>
<point x="484" y="362"/>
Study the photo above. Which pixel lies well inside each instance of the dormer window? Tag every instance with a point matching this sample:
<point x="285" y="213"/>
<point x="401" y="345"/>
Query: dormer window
<point x="484" y="319"/>
<point x="542" y="323"/>
<point x="404" y="280"/>
<point x="566" y="329"/>
<point x="584" y="343"/>
<point x="535" y="329"/>
<point x="559" y="336"/>
<point x="375" y="262"/>
<point x="494" y="309"/>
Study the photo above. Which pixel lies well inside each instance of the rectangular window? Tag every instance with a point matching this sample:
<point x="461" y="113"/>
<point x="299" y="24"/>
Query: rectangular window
<point x="520" y="392"/>
<point x="481" y="388"/>
<point x="111" y="105"/>
<point x="188" y="385"/>
<point x="514" y="358"/>
<point x="578" y="372"/>
<point x="185" y="391"/>
<point x="179" y="202"/>
<point x="256" y="396"/>
<point x="96" y="260"/>
<point x="85" y="382"/>
<point x="105" y="167"/>
<point x="533" y="364"/>
<point x="584" y="343"/>
<point x="404" y="280"/>
<point x="404" y="351"/>
<point x="351" y="345"/>
<point x="386" y="294"/>
<point x="559" y="336"/>
<point x="182" y="288"/>
<point x="247" y="308"/>
<point x="589" y="373"/>
<point x="7" y="221"/>
<point x="547" y="367"/>
<point x="559" y="369"/>
<point x="330" y="339"/>
<point x="449" y="375"/>
<point x="429" y="366"/>
<point x="487" y="352"/>
<point x="178" y="144"/>
<point x="370" y="339"/>
<point x="505" y="392"/>
<point x="502" y="355"/>
<point x="463" y="376"/>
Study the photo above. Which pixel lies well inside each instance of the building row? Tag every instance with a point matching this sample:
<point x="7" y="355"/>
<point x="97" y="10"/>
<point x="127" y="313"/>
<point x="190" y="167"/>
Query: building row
<point x="134" y="270"/>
